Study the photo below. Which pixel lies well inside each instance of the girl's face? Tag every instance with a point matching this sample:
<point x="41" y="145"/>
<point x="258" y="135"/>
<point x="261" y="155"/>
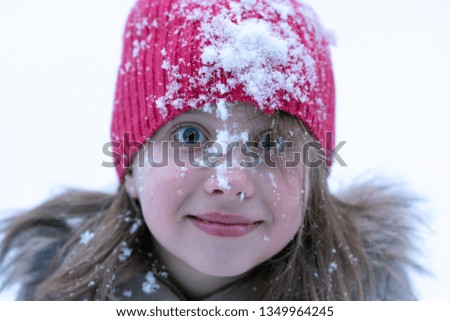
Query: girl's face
<point x="220" y="221"/>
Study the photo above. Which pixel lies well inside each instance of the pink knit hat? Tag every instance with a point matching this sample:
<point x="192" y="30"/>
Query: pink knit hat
<point x="179" y="55"/>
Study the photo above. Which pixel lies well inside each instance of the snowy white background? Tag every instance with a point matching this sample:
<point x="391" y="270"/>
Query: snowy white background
<point x="58" y="63"/>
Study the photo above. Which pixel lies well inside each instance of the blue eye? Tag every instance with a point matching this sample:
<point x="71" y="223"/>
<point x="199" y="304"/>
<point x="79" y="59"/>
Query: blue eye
<point x="270" y="145"/>
<point x="266" y="141"/>
<point x="189" y="135"/>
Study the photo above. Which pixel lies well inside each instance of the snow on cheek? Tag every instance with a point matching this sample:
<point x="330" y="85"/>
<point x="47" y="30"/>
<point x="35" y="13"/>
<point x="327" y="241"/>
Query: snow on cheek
<point x="275" y="191"/>
<point x="143" y="168"/>
<point x="183" y="171"/>
<point x="140" y="179"/>
<point x="272" y="181"/>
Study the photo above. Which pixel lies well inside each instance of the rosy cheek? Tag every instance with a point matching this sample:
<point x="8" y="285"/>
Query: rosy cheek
<point x="283" y="191"/>
<point x="168" y="180"/>
<point x="142" y="175"/>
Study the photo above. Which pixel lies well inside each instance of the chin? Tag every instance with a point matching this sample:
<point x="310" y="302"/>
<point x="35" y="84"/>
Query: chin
<point x="223" y="271"/>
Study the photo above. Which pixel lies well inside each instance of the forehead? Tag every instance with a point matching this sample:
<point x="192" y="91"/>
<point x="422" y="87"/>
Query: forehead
<point x="229" y="115"/>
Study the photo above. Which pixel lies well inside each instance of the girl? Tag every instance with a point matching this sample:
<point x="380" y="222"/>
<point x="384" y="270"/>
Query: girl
<point x="222" y="139"/>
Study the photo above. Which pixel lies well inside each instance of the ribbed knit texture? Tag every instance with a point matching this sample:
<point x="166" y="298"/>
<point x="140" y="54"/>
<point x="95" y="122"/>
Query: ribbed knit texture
<point x="176" y="57"/>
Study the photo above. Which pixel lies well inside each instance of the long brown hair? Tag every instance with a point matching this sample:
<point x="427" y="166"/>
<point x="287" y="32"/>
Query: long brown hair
<point x="326" y="260"/>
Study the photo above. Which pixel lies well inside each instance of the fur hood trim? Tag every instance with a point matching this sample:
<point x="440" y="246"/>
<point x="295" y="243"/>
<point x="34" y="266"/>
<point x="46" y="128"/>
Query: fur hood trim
<point x="387" y="219"/>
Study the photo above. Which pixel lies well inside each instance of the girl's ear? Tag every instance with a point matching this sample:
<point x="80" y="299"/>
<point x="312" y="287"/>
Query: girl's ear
<point x="130" y="185"/>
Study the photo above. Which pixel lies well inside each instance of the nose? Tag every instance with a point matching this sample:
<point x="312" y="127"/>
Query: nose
<point x="230" y="181"/>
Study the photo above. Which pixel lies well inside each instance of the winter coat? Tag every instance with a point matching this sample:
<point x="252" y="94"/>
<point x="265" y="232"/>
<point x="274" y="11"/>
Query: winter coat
<point x="385" y="220"/>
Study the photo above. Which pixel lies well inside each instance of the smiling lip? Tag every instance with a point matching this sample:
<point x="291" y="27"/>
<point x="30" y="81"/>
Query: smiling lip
<point x="224" y="225"/>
